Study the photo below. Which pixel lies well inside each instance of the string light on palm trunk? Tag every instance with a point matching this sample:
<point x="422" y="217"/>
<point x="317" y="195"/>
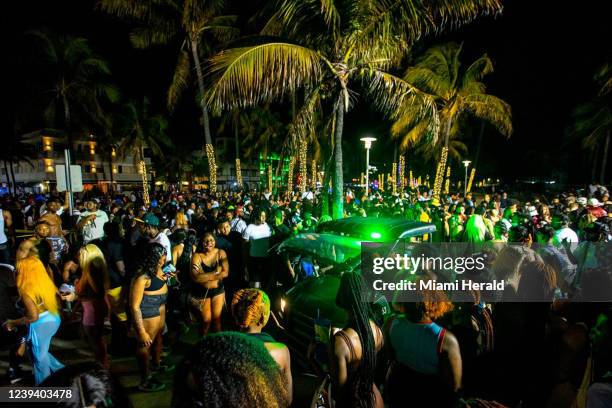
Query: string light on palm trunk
<point x="314" y="175"/>
<point x="212" y="167"/>
<point x="290" y="173"/>
<point x="472" y="174"/>
<point x="402" y="164"/>
<point x="440" y="173"/>
<point x="145" y="182"/>
<point x="270" y="183"/>
<point x="394" y="177"/>
<point x="238" y="173"/>
<point x="303" y="165"/>
<point x="447" y="183"/>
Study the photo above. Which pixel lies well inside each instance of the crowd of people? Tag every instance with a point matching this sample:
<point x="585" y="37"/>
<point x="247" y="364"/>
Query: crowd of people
<point x="156" y="268"/>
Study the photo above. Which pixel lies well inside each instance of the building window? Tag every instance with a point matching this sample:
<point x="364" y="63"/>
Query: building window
<point x="120" y="169"/>
<point x="49" y="165"/>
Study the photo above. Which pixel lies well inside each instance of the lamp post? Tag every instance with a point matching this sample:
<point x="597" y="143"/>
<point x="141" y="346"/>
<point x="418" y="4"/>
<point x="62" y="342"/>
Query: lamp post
<point x="367" y="141"/>
<point x="466" y="164"/>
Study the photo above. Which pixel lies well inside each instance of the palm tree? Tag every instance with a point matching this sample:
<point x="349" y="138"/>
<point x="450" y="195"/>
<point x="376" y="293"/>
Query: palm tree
<point x="457" y="91"/>
<point x="15" y="150"/>
<point x="325" y="47"/>
<point x="77" y="83"/>
<point x="235" y="120"/>
<point x="196" y="26"/>
<point x="139" y="130"/>
<point x="592" y="121"/>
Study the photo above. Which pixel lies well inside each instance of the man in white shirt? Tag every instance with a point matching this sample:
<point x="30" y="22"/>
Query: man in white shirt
<point x="238" y="224"/>
<point x="257" y="237"/>
<point x="91" y="222"/>
<point x="565" y="233"/>
<point x="307" y="195"/>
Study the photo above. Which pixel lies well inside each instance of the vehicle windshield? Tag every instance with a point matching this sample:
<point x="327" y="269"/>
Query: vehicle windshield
<point x="325" y="248"/>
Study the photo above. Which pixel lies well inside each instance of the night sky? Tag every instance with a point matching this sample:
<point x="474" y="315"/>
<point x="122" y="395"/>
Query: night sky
<point x="545" y="54"/>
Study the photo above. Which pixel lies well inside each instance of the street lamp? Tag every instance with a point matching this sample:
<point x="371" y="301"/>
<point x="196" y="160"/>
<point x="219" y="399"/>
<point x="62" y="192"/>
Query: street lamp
<point x="466" y="163"/>
<point x="367" y="141"/>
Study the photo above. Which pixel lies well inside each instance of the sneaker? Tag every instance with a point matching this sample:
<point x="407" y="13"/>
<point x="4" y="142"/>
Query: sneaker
<point x="163" y="368"/>
<point x="151" y="385"/>
<point x="15" y="375"/>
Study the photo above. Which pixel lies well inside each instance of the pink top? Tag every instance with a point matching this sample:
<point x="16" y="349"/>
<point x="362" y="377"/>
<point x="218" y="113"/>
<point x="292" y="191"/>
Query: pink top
<point x="94" y="312"/>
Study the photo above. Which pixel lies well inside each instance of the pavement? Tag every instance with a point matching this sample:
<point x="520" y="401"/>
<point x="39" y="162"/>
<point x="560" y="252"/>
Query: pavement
<point x="72" y="349"/>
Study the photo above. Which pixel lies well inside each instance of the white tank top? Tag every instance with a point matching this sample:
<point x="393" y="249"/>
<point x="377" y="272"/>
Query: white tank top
<point x="3" y="237"/>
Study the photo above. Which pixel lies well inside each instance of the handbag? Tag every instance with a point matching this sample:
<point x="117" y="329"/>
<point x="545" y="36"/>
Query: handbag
<point x="322" y="396"/>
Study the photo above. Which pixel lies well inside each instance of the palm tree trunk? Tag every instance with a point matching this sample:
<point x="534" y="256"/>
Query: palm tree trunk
<point x="8" y="180"/>
<point x="604" y="159"/>
<point x="482" y="128"/>
<point x="237" y="148"/>
<point x="67" y="124"/>
<point x="440" y="170"/>
<point x="594" y="163"/>
<point x="145" y="185"/>
<point x="338" y="180"/>
<point x="325" y="187"/>
<point x="210" y="150"/>
<point x="13" y="177"/>
<point x="112" y="177"/>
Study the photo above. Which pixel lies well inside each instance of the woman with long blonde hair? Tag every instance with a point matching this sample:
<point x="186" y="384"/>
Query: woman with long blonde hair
<point x="39" y="297"/>
<point x="180" y="221"/>
<point x="91" y="289"/>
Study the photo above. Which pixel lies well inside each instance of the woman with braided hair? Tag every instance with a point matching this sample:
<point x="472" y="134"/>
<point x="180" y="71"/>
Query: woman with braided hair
<point x="251" y="311"/>
<point x="229" y="370"/>
<point x="353" y="349"/>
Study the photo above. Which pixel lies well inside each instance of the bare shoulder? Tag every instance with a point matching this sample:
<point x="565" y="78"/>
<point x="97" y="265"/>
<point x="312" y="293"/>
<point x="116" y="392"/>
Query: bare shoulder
<point x="377" y="334"/>
<point x="340" y="347"/>
<point x="450" y="343"/>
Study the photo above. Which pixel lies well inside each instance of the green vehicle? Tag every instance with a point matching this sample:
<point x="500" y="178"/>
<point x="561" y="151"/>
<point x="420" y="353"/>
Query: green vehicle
<point x="320" y="259"/>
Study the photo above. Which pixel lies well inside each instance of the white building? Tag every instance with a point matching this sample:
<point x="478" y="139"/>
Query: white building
<point x="98" y="165"/>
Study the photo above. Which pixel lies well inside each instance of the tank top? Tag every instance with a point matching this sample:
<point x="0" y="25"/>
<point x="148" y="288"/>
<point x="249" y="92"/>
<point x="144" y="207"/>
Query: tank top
<point x="197" y="290"/>
<point x="3" y="237"/>
<point x="417" y="345"/>
<point x="156" y="284"/>
<point x="263" y="337"/>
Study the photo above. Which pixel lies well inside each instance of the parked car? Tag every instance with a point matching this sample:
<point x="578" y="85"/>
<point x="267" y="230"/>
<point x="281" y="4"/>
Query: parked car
<point x="321" y="258"/>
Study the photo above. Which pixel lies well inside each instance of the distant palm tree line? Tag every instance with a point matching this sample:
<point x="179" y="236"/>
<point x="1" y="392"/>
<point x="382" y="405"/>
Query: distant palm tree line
<point x="321" y="55"/>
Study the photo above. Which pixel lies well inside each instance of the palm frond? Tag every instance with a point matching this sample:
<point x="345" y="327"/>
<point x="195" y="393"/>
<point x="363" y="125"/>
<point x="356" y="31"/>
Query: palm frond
<point x="180" y="80"/>
<point x="492" y="109"/>
<point x="415" y="135"/>
<point x="47" y="45"/>
<point x="478" y="70"/>
<point x="159" y="34"/>
<point x="134" y="9"/>
<point x="248" y="76"/>
<point x="394" y="95"/>
<point x="303" y="127"/>
<point x="604" y="79"/>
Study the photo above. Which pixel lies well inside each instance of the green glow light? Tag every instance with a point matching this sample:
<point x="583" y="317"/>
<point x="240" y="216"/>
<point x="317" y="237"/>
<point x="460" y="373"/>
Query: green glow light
<point x="375" y="235"/>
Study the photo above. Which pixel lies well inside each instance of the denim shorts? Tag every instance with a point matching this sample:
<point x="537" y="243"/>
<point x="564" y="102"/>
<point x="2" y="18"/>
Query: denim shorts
<point x="150" y="304"/>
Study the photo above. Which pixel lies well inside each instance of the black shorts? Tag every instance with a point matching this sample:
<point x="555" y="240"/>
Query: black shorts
<point x="150" y="304"/>
<point x="204" y="293"/>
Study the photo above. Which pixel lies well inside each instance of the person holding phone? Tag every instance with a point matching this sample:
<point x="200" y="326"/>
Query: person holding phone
<point x="148" y="296"/>
<point x="91" y="222"/>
